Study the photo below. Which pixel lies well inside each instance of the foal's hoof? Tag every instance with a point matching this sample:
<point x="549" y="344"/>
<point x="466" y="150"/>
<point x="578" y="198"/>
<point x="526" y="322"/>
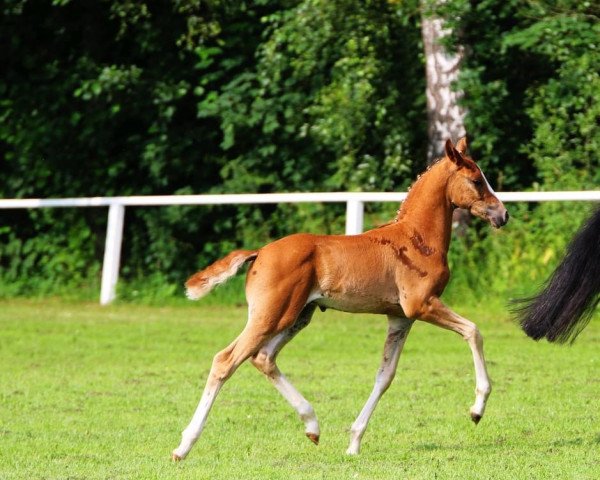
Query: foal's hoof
<point x="313" y="437"/>
<point x="475" y="417"/>
<point x="175" y="457"/>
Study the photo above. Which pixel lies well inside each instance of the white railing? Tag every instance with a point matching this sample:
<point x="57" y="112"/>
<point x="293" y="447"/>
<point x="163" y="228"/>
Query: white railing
<point x="354" y="213"/>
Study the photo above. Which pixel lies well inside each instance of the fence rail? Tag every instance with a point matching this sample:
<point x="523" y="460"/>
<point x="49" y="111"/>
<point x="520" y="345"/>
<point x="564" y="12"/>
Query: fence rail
<point x="354" y="212"/>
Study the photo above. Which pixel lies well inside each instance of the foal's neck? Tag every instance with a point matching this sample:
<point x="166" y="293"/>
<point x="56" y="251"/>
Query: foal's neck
<point x="427" y="209"/>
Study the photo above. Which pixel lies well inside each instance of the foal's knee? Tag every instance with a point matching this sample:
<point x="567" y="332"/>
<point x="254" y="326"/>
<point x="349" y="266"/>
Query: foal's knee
<point x="472" y="334"/>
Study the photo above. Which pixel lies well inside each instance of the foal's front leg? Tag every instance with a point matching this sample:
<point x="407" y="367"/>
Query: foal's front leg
<point x="439" y="314"/>
<point x="398" y="330"/>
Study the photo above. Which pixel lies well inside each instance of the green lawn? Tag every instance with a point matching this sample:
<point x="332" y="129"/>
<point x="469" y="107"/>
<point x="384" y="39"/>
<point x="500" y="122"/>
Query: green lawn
<point x="102" y="393"/>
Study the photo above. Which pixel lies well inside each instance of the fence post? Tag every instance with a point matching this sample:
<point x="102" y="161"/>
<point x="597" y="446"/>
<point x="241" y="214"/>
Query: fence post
<point x="112" y="253"/>
<point x="354" y="217"/>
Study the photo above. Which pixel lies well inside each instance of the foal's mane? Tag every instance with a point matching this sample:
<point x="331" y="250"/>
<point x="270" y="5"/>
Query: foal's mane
<point x="469" y="163"/>
<point x="425" y="172"/>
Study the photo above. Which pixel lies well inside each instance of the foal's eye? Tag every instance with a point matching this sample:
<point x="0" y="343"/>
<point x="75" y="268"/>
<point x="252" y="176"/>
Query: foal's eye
<point x="478" y="183"/>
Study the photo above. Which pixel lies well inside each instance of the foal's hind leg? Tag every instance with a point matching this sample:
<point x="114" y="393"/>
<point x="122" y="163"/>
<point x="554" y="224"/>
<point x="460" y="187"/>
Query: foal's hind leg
<point x="264" y="361"/>
<point x="224" y="365"/>
<point x="439" y="314"/>
<point x="274" y="312"/>
<point x="398" y="330"/>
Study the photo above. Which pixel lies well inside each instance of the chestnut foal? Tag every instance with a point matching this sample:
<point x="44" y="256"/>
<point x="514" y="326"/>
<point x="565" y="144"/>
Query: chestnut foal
<point x="399" y="270"/>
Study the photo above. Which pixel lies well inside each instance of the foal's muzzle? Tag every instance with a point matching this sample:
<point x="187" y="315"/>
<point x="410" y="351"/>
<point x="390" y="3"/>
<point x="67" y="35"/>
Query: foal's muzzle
<point x="498" y="215"/>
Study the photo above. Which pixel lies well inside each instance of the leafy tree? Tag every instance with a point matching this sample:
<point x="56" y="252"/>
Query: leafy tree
<point x="445" y="111"/>
<point x="333" y="102"/>
<point x="98" y="99"/>
<point x="336" y="85"/>
<point x="531" y="78"/>
<point x="142" y="97"/>
<point x="565" y="110"/>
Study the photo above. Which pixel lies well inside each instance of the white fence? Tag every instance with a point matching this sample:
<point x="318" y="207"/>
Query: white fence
<point x="354" y="213"/>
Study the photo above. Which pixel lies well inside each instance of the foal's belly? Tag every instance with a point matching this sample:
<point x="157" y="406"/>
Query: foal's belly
<point x="359" y="302"/>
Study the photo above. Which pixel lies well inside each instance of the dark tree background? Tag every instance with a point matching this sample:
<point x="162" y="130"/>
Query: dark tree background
<point x="142" y="97"/>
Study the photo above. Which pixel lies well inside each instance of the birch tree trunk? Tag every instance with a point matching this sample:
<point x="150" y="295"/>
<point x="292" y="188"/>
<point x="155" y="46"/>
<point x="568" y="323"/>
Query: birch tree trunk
<point x="445" y="116"/>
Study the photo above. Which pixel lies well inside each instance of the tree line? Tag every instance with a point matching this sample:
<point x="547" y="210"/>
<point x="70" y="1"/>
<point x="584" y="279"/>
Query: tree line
<point x="176" y="97"/>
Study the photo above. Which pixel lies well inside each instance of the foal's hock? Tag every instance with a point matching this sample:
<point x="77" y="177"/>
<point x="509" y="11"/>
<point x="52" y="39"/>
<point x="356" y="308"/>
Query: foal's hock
<point x="399" y="270"/>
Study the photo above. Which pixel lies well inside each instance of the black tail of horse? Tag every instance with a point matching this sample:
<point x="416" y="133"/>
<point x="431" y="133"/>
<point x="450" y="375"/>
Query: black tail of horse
<point x="565" y="305"/>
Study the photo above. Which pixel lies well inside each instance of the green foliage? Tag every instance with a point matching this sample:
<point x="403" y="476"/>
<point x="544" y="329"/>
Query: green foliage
<point x="531" y="83"/>
<point x="566" y="109"/>
<point x="531" y="78"/>
<point x="516" y="260"/>
<point x="353" y="64"/>
<point x="495" y="85"/>
<point x="106" y="107"/>
<point x="135" y="97"/>
<point x="330" y="104"/>
<point x="53" y="260"/>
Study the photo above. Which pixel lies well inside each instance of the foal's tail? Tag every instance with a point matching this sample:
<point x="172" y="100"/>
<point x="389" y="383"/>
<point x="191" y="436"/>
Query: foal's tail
<point x="219" y="272"/>
<point x="566" y="304"/>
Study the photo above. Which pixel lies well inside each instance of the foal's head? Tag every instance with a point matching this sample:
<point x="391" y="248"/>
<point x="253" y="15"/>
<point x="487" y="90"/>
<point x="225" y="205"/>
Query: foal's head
<point x="468" y="188"/>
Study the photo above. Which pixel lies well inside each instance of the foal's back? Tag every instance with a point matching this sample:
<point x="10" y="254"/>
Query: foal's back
<point x="368" y="273"/>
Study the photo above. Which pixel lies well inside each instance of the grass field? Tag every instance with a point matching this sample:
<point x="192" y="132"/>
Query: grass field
<point x="103" y="393"/>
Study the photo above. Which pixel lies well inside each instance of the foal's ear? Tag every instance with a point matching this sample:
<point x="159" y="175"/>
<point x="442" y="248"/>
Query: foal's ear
<point x="462" y="145"/>
<point x="453" y="154"/>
